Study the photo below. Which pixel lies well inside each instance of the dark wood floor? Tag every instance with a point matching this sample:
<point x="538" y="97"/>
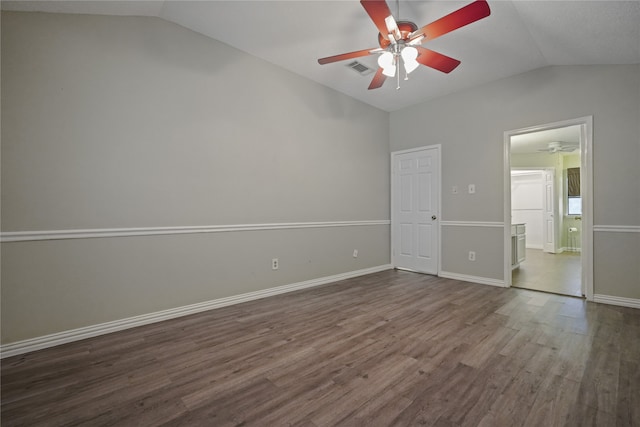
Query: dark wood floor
<point x="392" y="348"/>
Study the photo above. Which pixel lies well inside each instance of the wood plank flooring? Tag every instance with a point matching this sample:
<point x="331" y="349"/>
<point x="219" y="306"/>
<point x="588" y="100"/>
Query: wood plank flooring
<point x="388" y="349"/>
<point x="556" y="273"/>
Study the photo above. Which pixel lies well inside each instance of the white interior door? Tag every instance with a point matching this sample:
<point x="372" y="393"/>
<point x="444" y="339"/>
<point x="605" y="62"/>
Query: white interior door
<point x="415" y="197"/>
<point x="549" y="220"/>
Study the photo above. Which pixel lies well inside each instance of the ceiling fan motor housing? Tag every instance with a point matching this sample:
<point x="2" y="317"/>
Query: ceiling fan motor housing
<point x="405" y="27"/>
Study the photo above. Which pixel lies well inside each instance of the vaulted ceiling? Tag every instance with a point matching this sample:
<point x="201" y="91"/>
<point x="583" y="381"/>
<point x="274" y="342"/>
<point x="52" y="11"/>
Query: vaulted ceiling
<point x="518" y="36"/>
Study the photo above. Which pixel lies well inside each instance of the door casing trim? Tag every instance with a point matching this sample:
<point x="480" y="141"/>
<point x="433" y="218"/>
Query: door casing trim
<point x="586" y="185"/>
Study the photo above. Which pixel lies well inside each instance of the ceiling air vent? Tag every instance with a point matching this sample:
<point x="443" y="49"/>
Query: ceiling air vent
<point x="360" y="68"/>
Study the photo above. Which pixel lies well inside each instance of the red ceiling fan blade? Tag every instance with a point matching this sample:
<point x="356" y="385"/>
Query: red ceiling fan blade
<point x="378" y="80"/>
<point x="470" y="13"/>
<point x="436" y="60"/>
<point x="349" y="55"/>
<point x="378" y="11"/>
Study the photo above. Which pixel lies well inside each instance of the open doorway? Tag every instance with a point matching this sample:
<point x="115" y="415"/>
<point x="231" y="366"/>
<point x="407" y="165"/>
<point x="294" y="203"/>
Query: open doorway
<point x="548" y="208"/>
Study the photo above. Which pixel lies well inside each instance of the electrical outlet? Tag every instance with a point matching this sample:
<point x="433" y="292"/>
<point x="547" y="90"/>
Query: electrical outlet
<point x="355" y="253"/>
<point x="472" y="188"/>
<point x="275" y="264"/>
<point x="472" y="256"/>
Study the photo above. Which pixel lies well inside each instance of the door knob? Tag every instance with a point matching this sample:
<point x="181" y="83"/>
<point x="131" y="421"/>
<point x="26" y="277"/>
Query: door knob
<point x="433" y="217"/>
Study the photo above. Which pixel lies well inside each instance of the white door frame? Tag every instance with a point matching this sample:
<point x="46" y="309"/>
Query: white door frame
<point x="586" y="187"/>
<point x="552" y="205"/>
<point x="438" y="148"/>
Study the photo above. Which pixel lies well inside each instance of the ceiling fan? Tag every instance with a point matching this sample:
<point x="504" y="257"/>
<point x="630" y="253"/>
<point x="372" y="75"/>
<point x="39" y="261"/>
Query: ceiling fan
<point x="559" y="146"/>
<point x="402" y="40"/>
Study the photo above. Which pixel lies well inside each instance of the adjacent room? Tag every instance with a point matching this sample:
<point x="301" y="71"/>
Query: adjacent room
<point x="546" y="211"/>
<point x="320" y="213"/>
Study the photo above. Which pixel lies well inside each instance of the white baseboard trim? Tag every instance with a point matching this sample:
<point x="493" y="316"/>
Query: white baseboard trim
<point x="621" y="301"/>
<point x="565" y="249"/>
<point x="39" y="343"/>
<point x="474" y="279"/>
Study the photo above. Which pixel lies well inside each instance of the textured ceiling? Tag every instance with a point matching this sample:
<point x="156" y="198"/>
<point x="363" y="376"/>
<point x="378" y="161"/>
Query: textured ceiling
<point x="518" y="36"/>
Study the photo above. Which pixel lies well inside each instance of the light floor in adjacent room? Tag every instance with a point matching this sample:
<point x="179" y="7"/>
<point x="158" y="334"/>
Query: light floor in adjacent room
<point x="557" y="273"/>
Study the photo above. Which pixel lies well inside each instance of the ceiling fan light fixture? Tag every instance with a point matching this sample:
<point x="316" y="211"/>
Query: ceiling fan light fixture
<point x="409" y="55"/>
<point x="385" y="61"/>
<point x="389" y="71"/>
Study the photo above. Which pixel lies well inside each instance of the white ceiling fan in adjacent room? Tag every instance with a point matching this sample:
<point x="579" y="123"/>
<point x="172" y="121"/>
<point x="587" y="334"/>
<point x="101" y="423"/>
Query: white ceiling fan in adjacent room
<point x="559" y="147"/>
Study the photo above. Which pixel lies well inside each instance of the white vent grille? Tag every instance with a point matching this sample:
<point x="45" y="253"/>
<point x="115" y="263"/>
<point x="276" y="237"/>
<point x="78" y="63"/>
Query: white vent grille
<point x="360" y="68"/>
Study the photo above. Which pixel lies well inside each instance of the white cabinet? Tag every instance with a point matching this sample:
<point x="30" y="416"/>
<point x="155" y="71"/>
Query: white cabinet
<point x="518" y="244"/>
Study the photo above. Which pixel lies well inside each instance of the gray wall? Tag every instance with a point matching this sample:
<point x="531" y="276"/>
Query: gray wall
<point x="116" y="122"/>
<point x="112" y="122"/>
<point x="470" y="126"/>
